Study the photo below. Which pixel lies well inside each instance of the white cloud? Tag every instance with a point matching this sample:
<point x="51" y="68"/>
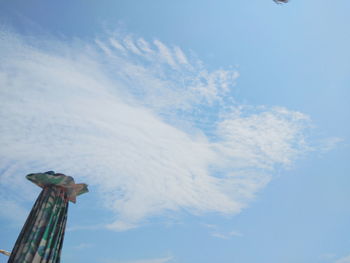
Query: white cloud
<point x="226" y="235"/>
<point x="129" y="43"/>
<point x="144" y="45"/>
<point x="262" y="139"/>
<point x="82" y="246"/>
<point x="152" y="133"/>
<point x="328" y="256"/>
<point x="85" y="227"/>
<point x="116" y="44"/>
<point x="104" y="47"/>
<point x="329" y="144"/>
<point x="153" y="260"/>
<point x="181" y="57"/>
<point x="343" y="260"/>
<point x="216" y="232"/>
<point x="165" y="53"/>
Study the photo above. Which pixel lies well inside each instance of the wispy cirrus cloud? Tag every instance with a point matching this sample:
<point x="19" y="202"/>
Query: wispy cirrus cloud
<point x="83" y="246"/>
<point x="153" y="260"/>
<point x="226" y="235"/>
<point x="217" y="233"/>
<point x="345" y="259"/>
<point x="152" y="128"/>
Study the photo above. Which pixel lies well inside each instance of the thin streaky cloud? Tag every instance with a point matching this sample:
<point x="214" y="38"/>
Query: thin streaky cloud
<point x="144" y="45"/>
<point x="152" y="260"/>
<point x="129" y="43"/>
<point x="217" y="233"/>
<point x="345" y="259"/>
<point x="85" y="227"/>
<point x="104" y="47"/>
<point x="329" y="144"/>
<point x="165" y="53"/>
<point x="83" y="246"/>
<point x="228" y="235"/>
<point x="181" y="57"/>
<point x="116" y="44"/>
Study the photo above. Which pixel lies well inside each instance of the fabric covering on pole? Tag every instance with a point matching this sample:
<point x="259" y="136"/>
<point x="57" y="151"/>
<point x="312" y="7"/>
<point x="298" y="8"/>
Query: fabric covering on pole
<point x="41" y="238"/>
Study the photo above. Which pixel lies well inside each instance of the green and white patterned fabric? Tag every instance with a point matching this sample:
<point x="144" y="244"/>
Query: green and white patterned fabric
<point x="41" y="238"/>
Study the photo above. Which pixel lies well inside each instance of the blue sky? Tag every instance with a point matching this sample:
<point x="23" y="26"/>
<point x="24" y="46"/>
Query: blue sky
<point x="207" y="131"/>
